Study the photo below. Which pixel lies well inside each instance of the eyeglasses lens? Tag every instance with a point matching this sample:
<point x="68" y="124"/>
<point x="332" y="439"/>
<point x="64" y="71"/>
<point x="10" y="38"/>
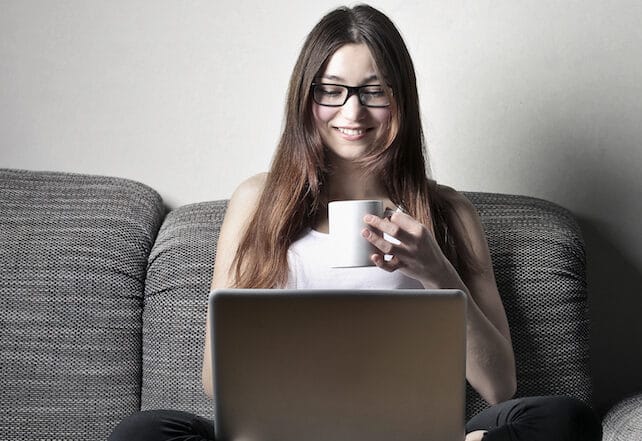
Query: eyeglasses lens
<point x="337" y="95"/>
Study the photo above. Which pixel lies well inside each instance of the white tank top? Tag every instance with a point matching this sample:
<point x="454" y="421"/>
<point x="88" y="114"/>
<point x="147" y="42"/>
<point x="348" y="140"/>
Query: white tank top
<point x="309" y="267"/>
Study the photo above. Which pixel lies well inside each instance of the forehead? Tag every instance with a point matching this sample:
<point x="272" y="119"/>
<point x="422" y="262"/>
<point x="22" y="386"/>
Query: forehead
<point x="351" y="64"/>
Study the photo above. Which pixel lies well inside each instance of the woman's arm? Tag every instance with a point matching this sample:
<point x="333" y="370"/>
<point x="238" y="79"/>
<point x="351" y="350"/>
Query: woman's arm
<point x="239" y="212"/>
<point x="490" y="367"/>
<point x="490" y="363"/>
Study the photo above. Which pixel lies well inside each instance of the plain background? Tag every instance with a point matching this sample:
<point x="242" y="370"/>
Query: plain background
<point x="536" y="97"/>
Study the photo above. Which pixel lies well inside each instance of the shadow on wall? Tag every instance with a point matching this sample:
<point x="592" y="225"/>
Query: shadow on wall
<point x="615" y="301"/>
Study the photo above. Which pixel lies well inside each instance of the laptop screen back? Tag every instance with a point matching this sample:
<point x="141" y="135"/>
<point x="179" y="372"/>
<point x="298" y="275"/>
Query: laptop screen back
<point x="321" y="365"/>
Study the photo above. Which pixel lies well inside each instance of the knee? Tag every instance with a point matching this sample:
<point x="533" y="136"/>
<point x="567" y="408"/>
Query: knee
<point x="158" y="425"/>
<point x="137" y="426"/>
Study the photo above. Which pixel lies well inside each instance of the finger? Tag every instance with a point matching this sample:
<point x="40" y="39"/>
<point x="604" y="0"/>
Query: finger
<point x="383" y="245"/>
<point x="407" y="223"/>
<point x="386" y="226"/>
<point x="387" y="265"/>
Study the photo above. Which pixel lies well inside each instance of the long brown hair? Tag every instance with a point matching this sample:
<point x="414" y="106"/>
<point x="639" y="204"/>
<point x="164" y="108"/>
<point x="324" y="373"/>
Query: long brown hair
<point x="294" y="190"/>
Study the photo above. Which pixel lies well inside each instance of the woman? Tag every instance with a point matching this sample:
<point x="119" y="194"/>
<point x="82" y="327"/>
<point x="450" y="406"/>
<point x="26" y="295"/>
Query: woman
<point x="353" y="131"/>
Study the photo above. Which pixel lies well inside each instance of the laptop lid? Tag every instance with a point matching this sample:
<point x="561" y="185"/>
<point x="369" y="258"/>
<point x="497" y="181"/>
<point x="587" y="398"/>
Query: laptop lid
<point x="338" y="365"/>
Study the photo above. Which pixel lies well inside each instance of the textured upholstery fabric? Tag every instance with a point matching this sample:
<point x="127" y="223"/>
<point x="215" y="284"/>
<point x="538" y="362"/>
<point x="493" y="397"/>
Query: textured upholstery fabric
<point x="73" y="255"/>
<point x="178" y="282"/>
<point x="99" y="316"/>
<point x="538" y="255"/>
<point x="624" y="421"/>
<point x="539" y="261"/>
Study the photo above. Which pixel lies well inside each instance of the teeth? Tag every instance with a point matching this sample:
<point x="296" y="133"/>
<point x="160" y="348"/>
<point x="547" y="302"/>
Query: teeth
<point x="351" y="132"/>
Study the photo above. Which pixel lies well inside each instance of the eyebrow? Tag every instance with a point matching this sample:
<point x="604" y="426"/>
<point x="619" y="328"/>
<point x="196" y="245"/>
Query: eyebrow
<point x="336" y="78"/>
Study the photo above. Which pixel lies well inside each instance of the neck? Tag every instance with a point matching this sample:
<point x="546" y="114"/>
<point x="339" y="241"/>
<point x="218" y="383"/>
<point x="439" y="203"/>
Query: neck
<point x="347" y="182"/>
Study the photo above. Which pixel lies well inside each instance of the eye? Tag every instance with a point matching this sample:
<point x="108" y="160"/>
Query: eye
<point x="373" y="92"/>
<point x="329" y="90"/>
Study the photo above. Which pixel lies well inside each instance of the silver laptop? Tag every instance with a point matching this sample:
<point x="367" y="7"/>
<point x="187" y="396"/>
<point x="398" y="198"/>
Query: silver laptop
<point x="338" y="365"/>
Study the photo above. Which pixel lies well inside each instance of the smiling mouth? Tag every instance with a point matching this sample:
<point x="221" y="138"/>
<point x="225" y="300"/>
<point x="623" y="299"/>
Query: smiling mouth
<point x="351" y="132"/>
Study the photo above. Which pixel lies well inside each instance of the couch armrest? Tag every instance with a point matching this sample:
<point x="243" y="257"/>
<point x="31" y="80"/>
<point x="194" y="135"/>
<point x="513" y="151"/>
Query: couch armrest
<point x="73" y="258"/>
<point x="624" y="421"/>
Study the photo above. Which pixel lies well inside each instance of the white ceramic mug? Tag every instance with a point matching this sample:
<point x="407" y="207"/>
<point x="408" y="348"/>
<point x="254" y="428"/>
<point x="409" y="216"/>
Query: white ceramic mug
<point x="349" y="247"/>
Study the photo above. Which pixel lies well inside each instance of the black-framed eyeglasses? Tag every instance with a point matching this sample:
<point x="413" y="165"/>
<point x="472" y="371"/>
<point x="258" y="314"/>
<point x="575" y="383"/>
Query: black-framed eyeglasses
<point x="336" y="95"/>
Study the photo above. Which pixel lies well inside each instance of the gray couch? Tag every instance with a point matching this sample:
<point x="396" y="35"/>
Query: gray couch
<point x="103" y="297"/>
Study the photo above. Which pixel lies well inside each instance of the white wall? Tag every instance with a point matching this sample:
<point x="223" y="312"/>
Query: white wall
<point x="542" y="98"/>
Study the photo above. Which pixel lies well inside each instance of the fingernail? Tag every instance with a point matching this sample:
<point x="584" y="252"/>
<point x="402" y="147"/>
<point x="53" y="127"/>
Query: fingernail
<point x="365" y="233"/>
<point x="368" y="218"/>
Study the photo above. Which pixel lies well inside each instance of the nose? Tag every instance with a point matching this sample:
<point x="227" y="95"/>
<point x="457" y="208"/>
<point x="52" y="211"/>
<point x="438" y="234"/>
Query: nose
<point x="352" y="109"/>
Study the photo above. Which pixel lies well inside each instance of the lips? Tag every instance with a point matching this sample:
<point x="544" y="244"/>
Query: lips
<point x="352" y="133"/>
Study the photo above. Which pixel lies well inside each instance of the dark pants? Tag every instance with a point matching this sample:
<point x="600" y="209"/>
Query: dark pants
<point x="538" y="418"/>
<point x="521" y="419"/>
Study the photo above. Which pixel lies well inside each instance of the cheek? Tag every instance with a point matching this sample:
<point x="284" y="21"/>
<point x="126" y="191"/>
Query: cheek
<point x="323" y="114"/>
<point x="381" y="115"/>
<point x="387" y="124"/>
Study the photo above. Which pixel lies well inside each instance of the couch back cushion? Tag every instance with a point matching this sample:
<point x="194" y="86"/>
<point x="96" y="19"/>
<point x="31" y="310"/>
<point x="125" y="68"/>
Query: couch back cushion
<point x="538" y="256"/>
<point x="73" y="256"/>
<point x="178" y="281"/>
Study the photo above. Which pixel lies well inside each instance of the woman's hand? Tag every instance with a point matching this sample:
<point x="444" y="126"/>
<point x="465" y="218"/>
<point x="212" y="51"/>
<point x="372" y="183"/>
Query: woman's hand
<point x="417" y="254"/>
<point x="477" y="435"/>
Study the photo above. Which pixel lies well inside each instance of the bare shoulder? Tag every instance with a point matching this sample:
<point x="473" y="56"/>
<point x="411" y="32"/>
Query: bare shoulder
<point x="245" y="198"/>
<point x="466" y="224"/>
<point x="461" y="205"/>
<point x="249" y="191"/>
<point x="239" y="213"/>
<point x="243" y="203"/>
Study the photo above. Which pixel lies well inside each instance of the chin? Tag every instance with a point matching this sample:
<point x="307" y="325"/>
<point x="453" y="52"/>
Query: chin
<point x="347" y="153"/>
